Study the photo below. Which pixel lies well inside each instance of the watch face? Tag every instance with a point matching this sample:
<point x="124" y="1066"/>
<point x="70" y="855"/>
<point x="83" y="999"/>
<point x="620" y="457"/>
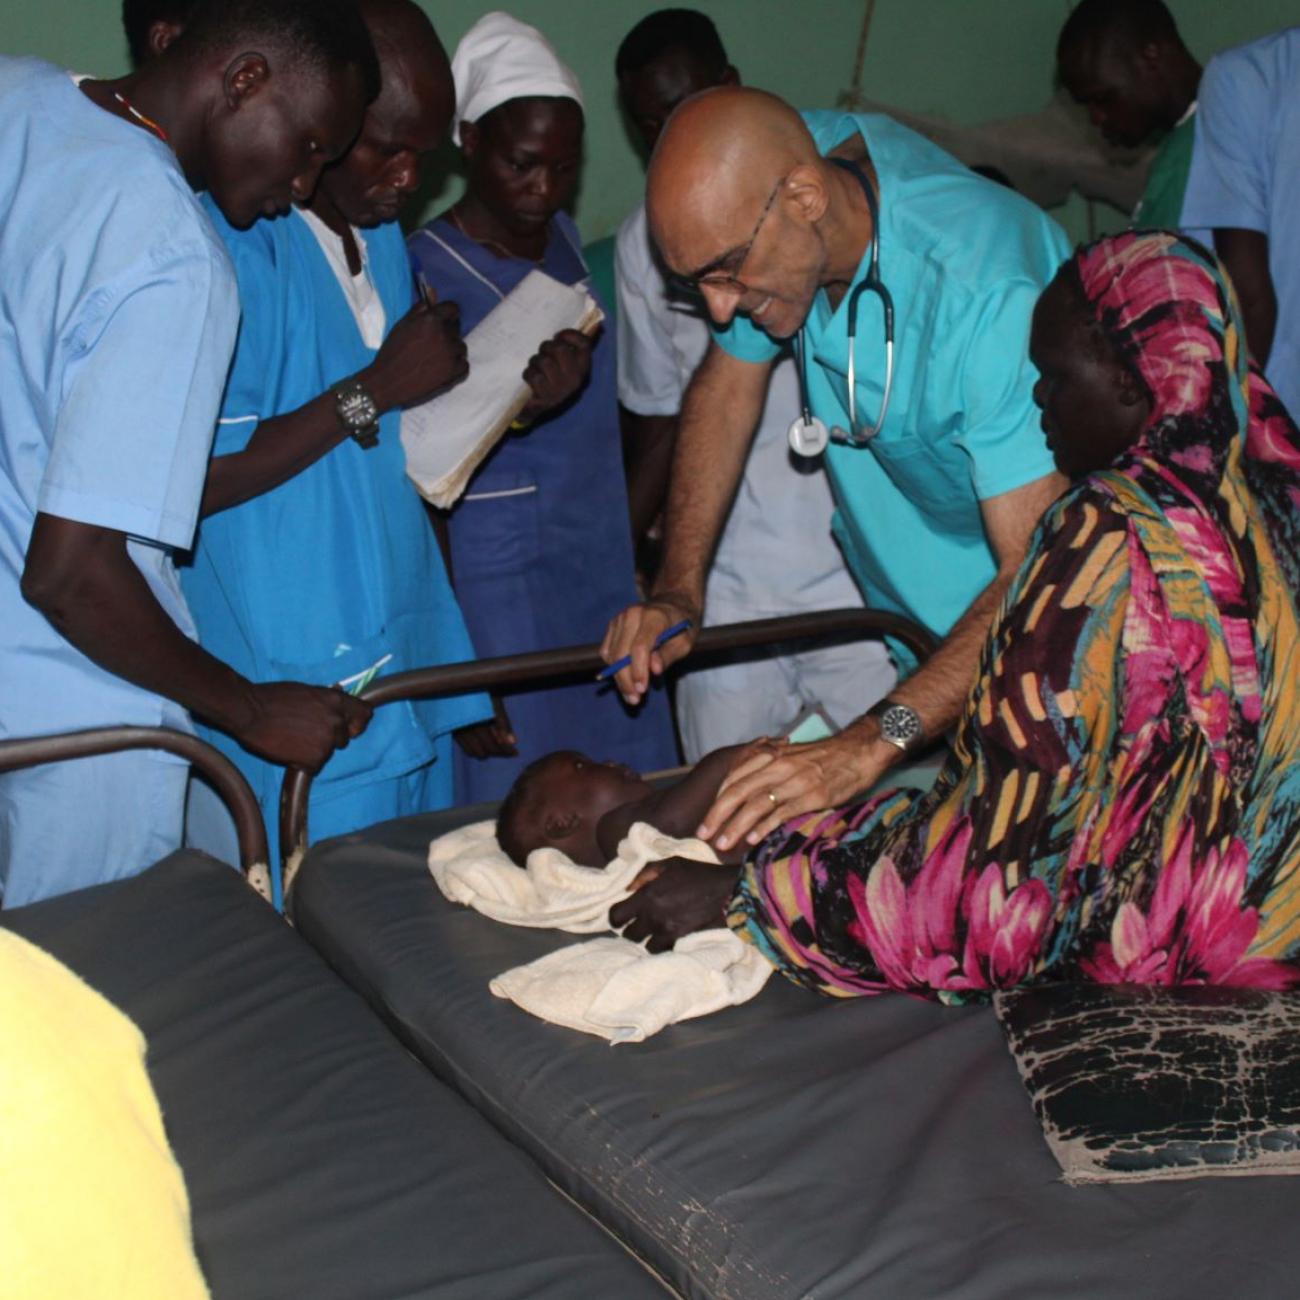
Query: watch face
<point x="357" y="408"/>
<point x="900" y="725"/>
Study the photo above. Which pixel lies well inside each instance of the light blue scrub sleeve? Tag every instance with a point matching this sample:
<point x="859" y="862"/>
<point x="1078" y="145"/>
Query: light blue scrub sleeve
<point x="144" y="369"/>
<point x="1000" y="430"/>
<point x="1228" y="181"/>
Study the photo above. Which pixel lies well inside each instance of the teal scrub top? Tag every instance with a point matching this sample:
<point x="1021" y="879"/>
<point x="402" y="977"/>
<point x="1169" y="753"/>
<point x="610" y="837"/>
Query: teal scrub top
<point x="338" y="567"/>
<point x="965" y="261"/>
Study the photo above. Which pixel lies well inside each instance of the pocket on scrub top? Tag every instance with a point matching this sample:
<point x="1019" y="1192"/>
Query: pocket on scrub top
<point x="391" y="743"/>
<point x="916" y="471"/>
<point x="497" y="527"/>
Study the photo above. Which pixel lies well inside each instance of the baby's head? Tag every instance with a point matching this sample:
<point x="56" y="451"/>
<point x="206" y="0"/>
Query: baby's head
<point x="558" y="801"/>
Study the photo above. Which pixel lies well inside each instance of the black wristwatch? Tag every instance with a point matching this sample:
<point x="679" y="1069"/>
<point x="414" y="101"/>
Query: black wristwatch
<point x="900" y="725"/>
<point x="357" y="412"/>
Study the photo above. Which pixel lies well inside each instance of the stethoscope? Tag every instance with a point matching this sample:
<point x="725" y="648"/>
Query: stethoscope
<point x="808" y="434"/>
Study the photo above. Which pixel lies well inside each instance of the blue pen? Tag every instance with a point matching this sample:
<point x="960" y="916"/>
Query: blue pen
<point x="667" y="635"/>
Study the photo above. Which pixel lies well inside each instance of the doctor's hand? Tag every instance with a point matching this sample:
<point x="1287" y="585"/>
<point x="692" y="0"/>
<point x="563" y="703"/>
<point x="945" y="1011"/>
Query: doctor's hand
<point x="634" y="632"/>
<point x="770" y="787"/>
<point x="556" y="372"/>
<point x="494" y="738"/>
<point x="423" y="354"/>
<point x="674" y="898"/>
<point x="300" y="726"/>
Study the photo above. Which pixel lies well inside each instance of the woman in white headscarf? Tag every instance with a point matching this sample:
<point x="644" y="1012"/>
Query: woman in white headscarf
<point x="540" y="544"/>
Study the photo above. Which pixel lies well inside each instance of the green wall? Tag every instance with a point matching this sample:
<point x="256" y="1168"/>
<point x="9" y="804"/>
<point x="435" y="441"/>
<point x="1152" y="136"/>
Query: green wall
<point x="969" y="60"/>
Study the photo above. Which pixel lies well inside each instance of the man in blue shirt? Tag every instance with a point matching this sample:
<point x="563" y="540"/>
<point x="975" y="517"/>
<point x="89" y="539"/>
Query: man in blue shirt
<point x="936" y="510"/>
<point x="1125" y="62"/>
<point x="316" y="558"/>
<point x="1245" y="185"/>
<point x="117" y="318"/>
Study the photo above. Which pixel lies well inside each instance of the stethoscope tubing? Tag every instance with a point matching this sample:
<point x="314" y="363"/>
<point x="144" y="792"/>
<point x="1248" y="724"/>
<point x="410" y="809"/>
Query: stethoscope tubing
<point x="809" y="435"/>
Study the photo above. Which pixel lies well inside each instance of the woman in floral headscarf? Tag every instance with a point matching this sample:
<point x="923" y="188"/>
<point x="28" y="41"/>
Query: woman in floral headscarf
<point x="1123" y="798"/>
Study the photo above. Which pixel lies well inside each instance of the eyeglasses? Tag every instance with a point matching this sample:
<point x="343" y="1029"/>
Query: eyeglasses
<point x="724" y="271"/>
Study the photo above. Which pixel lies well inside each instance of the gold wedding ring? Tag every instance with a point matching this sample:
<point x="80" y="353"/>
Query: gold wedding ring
<point x="773" y="798"/>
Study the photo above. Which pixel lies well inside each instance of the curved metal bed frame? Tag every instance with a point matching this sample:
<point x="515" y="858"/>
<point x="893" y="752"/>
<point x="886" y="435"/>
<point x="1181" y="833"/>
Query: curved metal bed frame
<point x="584" y="660"/>
<point x="224" y="775"/>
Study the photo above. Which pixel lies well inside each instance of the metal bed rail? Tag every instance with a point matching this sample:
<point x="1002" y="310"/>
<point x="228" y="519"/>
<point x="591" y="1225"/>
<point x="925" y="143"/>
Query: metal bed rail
<point x="225" y="777"/>
<point x="542" y="666"/>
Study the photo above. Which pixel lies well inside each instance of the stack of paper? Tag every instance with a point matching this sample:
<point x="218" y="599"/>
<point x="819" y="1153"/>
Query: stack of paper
<point x="447" y="439"/>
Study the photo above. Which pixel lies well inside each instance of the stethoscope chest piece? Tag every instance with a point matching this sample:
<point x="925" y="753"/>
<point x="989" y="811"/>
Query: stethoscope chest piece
<point x="808" y="436"/>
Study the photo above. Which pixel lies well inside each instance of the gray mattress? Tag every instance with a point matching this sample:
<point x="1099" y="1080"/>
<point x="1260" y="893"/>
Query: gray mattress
<point x="795" y="1146"/>
<point x="321" y="1160"/>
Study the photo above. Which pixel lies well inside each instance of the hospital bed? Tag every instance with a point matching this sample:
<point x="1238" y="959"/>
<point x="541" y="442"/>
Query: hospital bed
<point x="321" y="1160"/>
<point x="796" y="1146"/>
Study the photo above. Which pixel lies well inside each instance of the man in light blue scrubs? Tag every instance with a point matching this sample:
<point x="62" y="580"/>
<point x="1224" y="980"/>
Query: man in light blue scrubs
<point x="936" y="510"/>
<point x="1244" y="184"/>
<point x="118" y="314"/>
<point x="316" y="559"/>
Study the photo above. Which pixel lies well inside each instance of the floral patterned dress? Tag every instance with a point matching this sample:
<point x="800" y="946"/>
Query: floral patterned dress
<point x="1123" y="798"/>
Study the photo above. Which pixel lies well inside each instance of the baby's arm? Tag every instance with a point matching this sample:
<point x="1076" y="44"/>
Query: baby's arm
<point x="678" y="810"/>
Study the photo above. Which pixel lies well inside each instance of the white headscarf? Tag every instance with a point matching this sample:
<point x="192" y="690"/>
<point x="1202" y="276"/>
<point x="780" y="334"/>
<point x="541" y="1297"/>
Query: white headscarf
<point x="499" y="59"/>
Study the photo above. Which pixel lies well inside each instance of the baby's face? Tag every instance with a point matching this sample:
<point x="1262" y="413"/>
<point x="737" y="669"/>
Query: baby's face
<point x="573" y="783"/>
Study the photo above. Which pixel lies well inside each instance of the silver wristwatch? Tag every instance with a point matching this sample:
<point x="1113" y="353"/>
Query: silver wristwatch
<point x="900" y="725"/>
<point x="357" y="412"/>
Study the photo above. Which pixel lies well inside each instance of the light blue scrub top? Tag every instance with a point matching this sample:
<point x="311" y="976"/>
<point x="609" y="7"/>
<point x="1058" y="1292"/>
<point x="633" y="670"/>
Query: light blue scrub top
<point x="965" y="261"/>
<point x="324" y="575"/>
<point x="1245" y="174"/>
<point x="118" y="313"/>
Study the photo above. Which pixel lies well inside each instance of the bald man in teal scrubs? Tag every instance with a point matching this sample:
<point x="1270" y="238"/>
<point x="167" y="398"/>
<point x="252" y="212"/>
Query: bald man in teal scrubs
<point x="765" y="212"/>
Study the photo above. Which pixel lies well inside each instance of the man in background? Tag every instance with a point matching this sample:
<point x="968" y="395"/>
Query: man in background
<point x="1244" y="184"/>
<point x="774" y="556"/>
<point x="152" y="25"/>
<point x="1125" y="62"/>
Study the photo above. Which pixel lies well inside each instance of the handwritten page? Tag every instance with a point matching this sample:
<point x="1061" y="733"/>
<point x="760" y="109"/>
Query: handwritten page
<point x="448" y="438"/>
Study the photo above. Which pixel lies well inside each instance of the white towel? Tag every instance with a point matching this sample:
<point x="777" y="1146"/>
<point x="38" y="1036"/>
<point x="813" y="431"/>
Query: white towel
<point x="610" y="987"/>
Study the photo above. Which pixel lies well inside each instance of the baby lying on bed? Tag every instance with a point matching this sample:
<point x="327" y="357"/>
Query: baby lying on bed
<point x="584" y="808"/>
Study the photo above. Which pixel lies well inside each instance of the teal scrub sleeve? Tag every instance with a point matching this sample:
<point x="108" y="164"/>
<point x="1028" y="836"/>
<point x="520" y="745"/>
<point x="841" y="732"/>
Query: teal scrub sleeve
<point x="1228" y="182"/>
<point x="1000" y="430"/>
<point x="745" y="341"/>
<point x="145" y="363"/>
<point x="259" y="347"/>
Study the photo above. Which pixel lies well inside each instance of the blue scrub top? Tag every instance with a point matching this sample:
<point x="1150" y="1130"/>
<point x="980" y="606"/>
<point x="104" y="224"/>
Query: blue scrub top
<point x="324" y="575"/>
<point x="1245" y="174"/>
<point x="965" y="261"/>
<point x="118" y="313"/>
<point x="541" y="543"/>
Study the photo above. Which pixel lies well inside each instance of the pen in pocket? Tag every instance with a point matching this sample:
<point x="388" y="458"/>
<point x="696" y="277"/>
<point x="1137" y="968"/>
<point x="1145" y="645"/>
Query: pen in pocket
<point x="358" y="682"/>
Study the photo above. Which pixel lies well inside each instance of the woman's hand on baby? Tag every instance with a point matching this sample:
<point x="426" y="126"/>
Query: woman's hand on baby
<point x="558" y="370"/>
<point x="770" y="787"/>
<point x="674" y="898"/>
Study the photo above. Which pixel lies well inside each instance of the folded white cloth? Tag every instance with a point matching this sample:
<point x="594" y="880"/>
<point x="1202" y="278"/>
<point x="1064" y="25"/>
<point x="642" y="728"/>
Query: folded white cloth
<point x="610" y="987"/>
<point x="500" y="59"/>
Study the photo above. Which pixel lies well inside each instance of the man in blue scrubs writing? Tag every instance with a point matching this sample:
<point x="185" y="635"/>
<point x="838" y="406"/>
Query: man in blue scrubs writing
<point x="765" y="213"/>
<point x="118" y="314"/>
<point x="316" y="558"/>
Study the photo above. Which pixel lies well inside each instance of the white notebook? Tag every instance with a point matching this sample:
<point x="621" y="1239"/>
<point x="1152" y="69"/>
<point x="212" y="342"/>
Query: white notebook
<point x="446" y="439"/>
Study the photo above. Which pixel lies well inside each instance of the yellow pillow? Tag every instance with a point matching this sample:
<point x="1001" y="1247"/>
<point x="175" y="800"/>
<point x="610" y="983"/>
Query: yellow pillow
<point x="92" y="1202"/>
